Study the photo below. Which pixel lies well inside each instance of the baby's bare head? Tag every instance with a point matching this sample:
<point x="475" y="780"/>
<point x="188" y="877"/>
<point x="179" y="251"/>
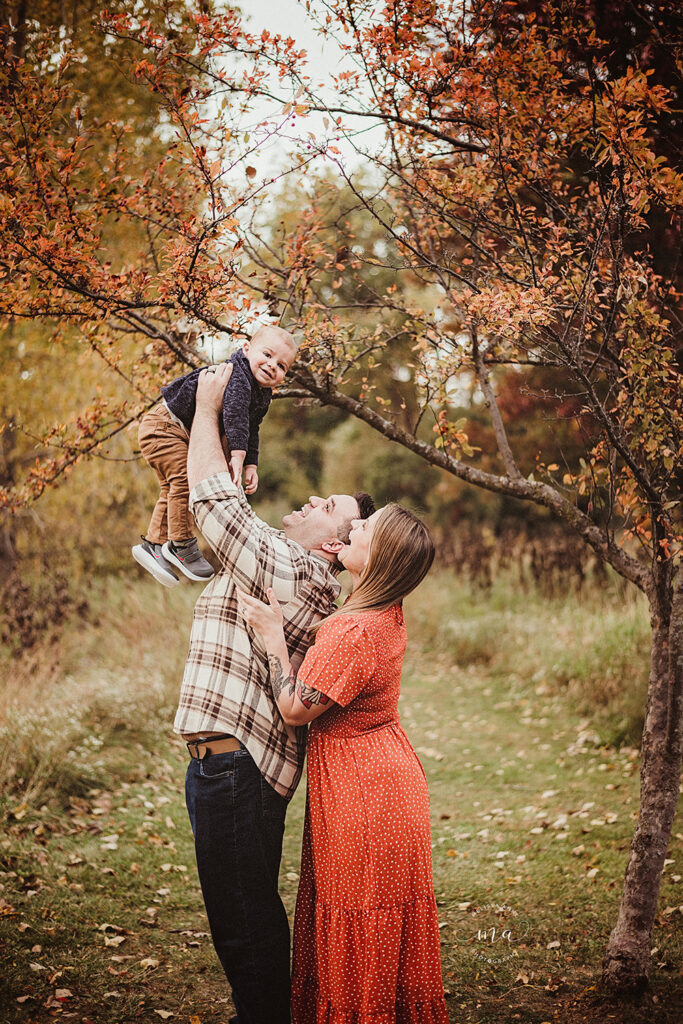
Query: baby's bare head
<point x="270" y="353"/>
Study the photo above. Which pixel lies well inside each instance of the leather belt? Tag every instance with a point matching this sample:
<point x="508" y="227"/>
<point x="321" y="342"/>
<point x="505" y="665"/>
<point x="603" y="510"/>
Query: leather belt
<point x="221" y="744"/>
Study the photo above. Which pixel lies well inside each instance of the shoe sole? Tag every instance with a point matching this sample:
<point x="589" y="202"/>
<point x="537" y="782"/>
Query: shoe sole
<point x="170" y="557"/>
<point x="149" y="563"/>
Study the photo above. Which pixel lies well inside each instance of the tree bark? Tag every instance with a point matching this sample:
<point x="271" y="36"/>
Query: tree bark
<point x="626" y="964"/>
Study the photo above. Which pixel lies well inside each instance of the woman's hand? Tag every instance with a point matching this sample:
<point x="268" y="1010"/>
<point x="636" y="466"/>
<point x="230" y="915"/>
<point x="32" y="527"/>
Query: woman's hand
<point x="265" y="619"/>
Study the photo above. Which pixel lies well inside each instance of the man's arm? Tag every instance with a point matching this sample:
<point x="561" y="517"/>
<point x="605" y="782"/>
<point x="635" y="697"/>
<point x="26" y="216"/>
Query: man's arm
<point x="205" y="455"/>
<point x="255" y="555"/>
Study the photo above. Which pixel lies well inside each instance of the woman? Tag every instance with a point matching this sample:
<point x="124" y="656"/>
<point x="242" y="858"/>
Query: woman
<point x="366" y="933"/>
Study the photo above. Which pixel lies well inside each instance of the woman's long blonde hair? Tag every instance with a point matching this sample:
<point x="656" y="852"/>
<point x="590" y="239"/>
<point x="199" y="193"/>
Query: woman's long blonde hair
<point x="400" y="556"/>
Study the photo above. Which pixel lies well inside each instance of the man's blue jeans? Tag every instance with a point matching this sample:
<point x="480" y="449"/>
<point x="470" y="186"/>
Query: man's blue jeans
<point x="238" y="821"/>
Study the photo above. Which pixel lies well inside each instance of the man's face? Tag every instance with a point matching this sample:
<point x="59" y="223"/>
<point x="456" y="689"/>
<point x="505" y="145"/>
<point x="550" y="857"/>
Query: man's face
<point x="316" y="525"/>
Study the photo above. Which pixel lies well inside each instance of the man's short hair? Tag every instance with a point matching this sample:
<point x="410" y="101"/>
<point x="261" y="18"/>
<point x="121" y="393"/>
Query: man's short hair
<point x="366" y="507"/>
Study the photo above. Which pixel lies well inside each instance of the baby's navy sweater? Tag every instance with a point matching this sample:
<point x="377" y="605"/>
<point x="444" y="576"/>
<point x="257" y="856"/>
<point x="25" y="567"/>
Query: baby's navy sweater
<point x="245" y="403"/>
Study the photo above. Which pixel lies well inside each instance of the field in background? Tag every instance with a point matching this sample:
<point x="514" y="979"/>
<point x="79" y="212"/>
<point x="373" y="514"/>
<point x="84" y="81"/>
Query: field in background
<point x="525" y="710"/>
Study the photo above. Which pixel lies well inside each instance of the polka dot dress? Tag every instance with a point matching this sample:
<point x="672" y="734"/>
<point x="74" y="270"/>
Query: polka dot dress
<point x="366" y="933"/>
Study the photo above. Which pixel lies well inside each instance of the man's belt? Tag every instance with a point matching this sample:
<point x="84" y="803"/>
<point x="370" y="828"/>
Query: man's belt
<point x="221" y="744"/>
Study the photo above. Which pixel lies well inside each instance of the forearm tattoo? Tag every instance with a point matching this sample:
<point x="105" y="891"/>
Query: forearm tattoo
<point x="279" y="682"/>
<point x="278" y="679"/>
<point x="308" y="696"/>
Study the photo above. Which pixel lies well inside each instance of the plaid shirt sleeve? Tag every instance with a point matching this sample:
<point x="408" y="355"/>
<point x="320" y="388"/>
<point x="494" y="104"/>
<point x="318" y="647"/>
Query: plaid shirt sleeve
<point x="253" y="553"/>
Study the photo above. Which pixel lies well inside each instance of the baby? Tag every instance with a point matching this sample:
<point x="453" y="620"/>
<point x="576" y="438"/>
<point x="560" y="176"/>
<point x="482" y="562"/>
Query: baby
<point x="164" y="434"/>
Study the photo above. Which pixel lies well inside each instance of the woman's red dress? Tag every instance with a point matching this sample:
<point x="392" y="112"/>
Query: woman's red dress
<point x="366" y="933"/>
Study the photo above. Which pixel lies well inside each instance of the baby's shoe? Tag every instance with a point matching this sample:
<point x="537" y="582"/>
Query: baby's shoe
<point x="149" y="556"/>
<point x="188" y="558"/>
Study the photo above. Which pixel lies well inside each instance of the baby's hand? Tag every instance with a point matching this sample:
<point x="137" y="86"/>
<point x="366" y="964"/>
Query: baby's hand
<point x="250" y="479"/>
<point x="235" y="465"/>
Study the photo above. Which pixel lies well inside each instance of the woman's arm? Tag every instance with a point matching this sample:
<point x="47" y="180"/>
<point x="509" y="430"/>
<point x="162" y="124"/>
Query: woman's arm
<point x="298" y="704"/>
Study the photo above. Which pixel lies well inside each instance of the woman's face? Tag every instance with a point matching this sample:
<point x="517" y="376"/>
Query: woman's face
<point x="354" y="555"/>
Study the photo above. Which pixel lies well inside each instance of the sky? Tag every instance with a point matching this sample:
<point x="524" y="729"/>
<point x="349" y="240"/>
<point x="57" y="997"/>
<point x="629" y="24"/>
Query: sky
<point x="289" y="18"/>
<point x="324" y="58"/>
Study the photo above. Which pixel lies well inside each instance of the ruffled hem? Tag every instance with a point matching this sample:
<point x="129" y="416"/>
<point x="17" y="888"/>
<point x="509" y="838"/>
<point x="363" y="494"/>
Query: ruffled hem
<point x="307" y="1009"/>
<point x="373" y="966"/>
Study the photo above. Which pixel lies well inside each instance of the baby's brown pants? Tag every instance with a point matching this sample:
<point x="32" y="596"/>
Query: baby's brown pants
<point x="164" y="444"/>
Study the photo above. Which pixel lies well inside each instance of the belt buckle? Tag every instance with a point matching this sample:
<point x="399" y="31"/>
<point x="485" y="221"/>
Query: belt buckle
<point x="195" y="743"/>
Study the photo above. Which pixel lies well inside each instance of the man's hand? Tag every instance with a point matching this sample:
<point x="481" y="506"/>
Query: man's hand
<point x="205" y="456"/>
<point x="211" y="385"/>
<point x="250" y="479"/>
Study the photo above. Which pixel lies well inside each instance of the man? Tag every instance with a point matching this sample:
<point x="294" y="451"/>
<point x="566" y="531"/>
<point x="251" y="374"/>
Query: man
<point x="245" y="762"/>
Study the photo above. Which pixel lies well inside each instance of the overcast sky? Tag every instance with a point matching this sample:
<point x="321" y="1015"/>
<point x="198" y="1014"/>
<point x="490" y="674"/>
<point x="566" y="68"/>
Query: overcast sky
<point x="324" y="58"/>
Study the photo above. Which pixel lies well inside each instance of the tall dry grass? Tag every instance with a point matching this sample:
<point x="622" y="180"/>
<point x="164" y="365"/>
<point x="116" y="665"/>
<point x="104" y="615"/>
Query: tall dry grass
<point x="590" y="644"/>
<point x="75" y="704"/>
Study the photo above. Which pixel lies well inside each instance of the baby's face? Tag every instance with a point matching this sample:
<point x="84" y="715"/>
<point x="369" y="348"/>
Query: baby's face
<point x="269" y="356"/>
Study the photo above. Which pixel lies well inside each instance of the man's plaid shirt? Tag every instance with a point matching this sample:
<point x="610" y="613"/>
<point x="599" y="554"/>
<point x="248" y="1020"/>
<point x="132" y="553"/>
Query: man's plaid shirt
<point x="226" y="685"/>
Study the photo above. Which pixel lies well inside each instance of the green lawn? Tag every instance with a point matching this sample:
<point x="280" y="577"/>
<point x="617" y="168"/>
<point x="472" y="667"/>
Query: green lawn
<point x="532" y="811"/>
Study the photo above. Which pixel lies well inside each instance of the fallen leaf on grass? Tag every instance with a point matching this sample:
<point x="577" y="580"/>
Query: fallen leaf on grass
<point x="22" y="999"/>
<point x="149" y="961"/>
<point x="37" y="967"/>
<point x="430" y="752"/>
<point x="106" y="927"/>
<point x="114" y="940"/>
<point x="164" y="1014"/>
<point x="63" y="993"/>
<point x="553" y="945"/>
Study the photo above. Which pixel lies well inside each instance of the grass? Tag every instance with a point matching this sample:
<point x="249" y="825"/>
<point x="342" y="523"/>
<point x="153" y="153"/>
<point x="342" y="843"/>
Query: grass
<point x="534" y="790"/>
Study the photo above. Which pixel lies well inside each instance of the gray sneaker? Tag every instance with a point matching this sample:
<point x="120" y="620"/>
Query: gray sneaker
<point x="188" y="558"/>
<point x="149" y="556"/>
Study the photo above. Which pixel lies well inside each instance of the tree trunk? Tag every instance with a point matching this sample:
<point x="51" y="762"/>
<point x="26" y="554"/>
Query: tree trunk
<point x="626" y="963"/>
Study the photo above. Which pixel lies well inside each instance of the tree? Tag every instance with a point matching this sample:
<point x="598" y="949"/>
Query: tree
<point x="522" y="174"/>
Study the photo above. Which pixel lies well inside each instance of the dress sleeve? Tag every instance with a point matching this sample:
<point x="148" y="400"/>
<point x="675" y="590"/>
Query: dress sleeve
<point x="341" y="661"/>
